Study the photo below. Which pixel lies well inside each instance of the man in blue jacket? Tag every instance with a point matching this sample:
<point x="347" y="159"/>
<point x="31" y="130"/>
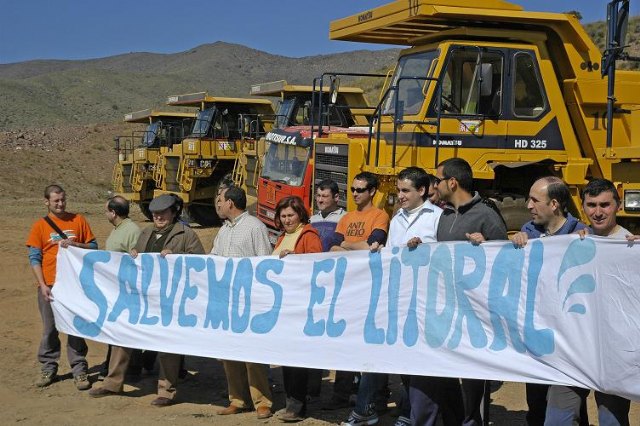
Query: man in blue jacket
<point x="548" y="203"/>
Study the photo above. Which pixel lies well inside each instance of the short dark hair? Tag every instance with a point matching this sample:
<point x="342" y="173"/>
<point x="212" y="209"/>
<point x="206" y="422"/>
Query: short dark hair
<point x="296" y="204"/>
<point x="329" y="184"/>
<point x="559" y="191"/>
<point x="370" y="178"/>
<point x="460" y="170"/>
<point x="596" y="187"/>
<point x="53" y="189"/>
<point x="418" y="177"/>
<point x="237" y="196"/>
<point x="225" y="183"/>
<point x="119" y="205"/>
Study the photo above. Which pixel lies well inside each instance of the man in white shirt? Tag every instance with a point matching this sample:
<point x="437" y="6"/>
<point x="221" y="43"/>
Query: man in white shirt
<point x="242" y="235"/>
<point x="416" y="222"/>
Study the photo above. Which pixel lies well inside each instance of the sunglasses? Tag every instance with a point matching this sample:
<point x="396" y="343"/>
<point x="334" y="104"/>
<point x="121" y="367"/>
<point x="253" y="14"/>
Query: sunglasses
<point x="359" y="190"/>
<point x="437" y="180"/>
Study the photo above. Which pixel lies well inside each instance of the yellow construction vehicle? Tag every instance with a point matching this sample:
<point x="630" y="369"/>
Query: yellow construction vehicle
<point x="194" y="168"/>
<point x="518" y="94"/>
<point x="138" y="152"/>
<point x="287" y="151"/>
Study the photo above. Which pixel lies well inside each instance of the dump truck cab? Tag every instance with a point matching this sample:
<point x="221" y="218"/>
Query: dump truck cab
<point x="303" y="113"/>
<point x="138" y="152"/>
<point x="194" y="168"/>
<point x="517" y="94"/>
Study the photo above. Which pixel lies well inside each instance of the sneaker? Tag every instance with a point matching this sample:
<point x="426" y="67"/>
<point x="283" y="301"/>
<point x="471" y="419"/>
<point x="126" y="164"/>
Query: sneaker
<point x="82" y="382"/>
<point x="402" y="421"/>
<point x="355" y="419"/>
<point x="46" y="378"/>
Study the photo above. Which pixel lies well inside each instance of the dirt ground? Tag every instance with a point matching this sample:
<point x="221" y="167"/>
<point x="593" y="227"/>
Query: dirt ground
<point x="199" y="395"/>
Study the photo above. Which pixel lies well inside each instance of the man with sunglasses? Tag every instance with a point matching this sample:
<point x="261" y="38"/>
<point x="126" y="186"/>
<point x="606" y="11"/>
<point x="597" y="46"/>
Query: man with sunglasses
<point x="465" y="217"/>
<point x="357" y="230"/>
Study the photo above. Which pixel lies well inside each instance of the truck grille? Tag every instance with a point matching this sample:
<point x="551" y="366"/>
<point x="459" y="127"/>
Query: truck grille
<point x="331" y="162"/>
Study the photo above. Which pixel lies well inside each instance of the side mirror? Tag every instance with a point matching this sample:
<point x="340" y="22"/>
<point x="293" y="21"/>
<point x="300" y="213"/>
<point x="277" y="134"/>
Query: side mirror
<point x="620" y="32"/>
<point x="306" y="112"/>
<point x="335" y="87"/>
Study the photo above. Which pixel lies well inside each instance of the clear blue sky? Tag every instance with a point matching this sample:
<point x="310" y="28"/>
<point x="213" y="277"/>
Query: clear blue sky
<point x="80" y="29"/>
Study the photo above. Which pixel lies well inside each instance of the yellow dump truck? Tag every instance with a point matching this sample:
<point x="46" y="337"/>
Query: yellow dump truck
<point x="283" y="163"/>
<point x="518" y="94"/>
<point x="194" y="168"/>
<point x="138" y="152"/>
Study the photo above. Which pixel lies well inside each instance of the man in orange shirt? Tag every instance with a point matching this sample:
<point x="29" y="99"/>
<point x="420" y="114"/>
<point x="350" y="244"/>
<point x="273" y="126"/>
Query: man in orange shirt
<point x="58" y="229"/>
<point x="357" y="230"/>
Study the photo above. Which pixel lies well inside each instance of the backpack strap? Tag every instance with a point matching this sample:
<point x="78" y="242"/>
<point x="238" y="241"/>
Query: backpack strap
<point x="55" y="227"/>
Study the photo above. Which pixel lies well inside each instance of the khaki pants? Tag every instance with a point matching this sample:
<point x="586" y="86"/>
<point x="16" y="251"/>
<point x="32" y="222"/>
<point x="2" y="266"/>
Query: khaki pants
<point x="243" y="376"/>
<point x="169" y="372"/>
<point x="118" y="364"/>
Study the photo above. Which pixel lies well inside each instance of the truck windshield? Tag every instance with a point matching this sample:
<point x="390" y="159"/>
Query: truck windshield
<point x="410" y="91"/>
<point x="150" y="139"/>
<point x="284" y="113"/>
<point x="203" y="122"/>
<point x="285" y="163"/>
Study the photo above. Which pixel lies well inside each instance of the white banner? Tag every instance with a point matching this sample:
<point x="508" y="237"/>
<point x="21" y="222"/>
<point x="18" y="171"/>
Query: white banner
<point x="562" y="310"/>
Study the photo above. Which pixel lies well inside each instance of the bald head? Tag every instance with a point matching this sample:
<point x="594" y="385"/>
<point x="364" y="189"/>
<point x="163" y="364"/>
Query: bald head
<point x="119" y="206"/>
<point x="548" y="202"/>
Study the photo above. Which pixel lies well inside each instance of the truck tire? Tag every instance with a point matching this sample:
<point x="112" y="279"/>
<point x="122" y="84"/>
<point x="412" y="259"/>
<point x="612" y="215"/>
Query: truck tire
<point x="514" y="212"/>
<point x="144" y="208"/>
<point x="204" y="213"/>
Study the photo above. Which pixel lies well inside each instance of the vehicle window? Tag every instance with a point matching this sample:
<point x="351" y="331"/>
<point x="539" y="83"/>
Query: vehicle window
<point x="410" y="79"/>
<point x="528" y="98"/>
<point x="150" y="139"/>
<point x="202" y="123"/>
<point x="284" y="113"/>
<point x="472" y="83"/>
<point x="285" y="163"/>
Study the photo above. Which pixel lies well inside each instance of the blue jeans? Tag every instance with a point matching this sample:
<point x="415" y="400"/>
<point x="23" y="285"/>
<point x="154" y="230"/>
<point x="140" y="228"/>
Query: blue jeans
<point x="370" y="385"/>
<point x="566" y="404"/>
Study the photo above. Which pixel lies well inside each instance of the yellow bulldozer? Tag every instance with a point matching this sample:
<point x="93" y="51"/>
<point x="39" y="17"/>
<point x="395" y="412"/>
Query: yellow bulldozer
<point x="139" y="152"/>
<point x="518" y="94"/>
<point x="194" y="168"/>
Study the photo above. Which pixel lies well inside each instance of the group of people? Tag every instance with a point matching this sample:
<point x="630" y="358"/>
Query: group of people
<point x="443" y="207"/>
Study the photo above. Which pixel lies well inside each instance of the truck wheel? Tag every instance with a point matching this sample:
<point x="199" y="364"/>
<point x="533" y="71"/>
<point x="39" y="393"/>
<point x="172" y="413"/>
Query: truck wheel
<point x="144" y="208"/>
<point x="514" y="212"/>
<point x="204" y="213"/>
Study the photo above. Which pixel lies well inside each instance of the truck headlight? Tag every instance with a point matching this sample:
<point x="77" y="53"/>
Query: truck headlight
<point x="632" y="201"/>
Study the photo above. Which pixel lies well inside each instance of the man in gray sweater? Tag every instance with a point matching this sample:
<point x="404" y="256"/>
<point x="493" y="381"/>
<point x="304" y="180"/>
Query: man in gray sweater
<point x="465" y="218"/>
